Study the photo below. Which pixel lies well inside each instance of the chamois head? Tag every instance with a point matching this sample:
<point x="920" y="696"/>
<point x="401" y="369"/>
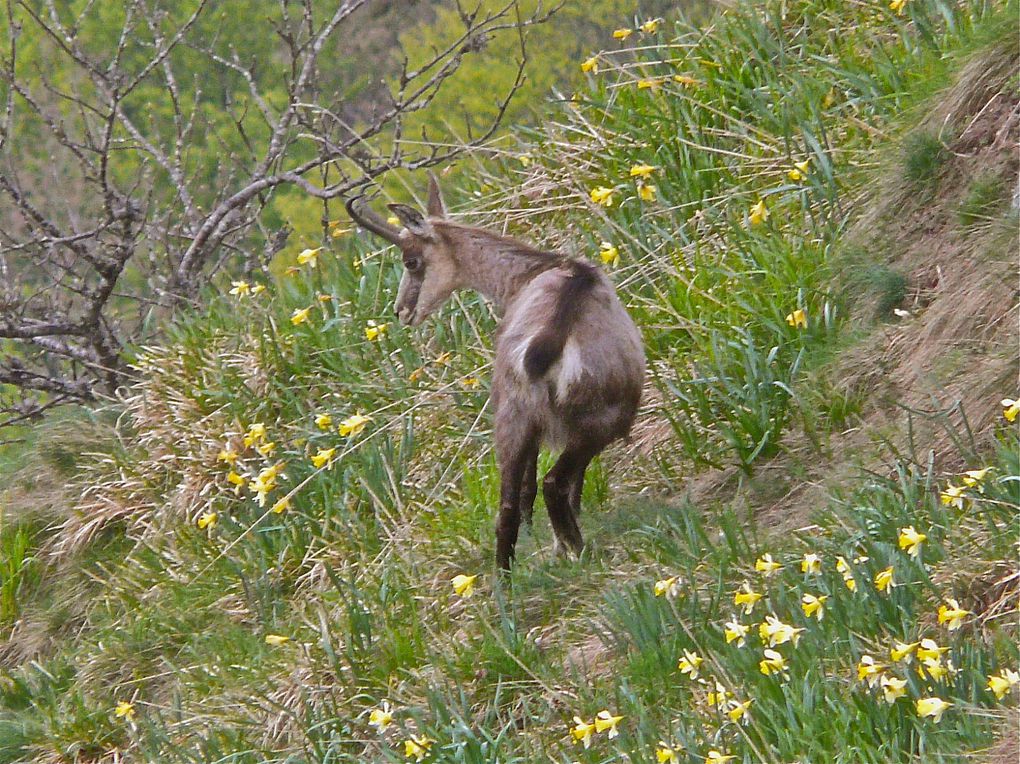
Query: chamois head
<point x="431" y="271"/>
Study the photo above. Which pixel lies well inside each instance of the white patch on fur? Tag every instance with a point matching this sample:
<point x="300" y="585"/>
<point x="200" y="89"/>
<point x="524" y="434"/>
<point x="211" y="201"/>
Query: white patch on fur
<point x="568" y="369"/>
<point x="517" y="357"/>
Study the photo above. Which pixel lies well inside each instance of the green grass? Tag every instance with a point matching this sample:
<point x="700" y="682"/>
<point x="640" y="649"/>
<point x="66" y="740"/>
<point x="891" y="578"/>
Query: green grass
<point x="986" y="195"/>
<point x="356" y="571"/>
<point x="923" y="155"/>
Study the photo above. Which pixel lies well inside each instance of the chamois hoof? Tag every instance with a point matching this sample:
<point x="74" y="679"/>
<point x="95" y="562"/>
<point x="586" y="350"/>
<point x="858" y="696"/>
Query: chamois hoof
<point x="567" y="549"/>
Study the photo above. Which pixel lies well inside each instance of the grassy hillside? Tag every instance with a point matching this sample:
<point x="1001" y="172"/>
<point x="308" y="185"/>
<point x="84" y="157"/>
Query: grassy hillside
<point x="807" y="552"/>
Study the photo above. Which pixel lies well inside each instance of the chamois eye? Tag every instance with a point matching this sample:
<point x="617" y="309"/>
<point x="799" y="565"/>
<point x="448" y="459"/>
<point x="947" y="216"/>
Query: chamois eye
<point x="413" y="263"/>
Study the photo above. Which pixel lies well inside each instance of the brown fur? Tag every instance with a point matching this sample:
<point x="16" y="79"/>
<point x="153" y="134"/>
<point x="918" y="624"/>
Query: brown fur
<point x="569" y="363"/>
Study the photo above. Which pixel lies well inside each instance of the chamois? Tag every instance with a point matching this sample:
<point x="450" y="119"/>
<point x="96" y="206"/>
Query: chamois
<point x="569" y="362"/>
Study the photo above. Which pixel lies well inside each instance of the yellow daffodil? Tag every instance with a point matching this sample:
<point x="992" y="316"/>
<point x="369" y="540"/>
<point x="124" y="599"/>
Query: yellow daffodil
<point x="463" y="586"/>
<point x="739" y="711"/>
<point x="869" y="670"/>
<point x="337" y="232"/>
<point x="933" y="707"/>
<point x="1002" y="683"/>
<point x="324" y="298"/>
<point x="606" y="721"/>
<point x="714" y="757"/>
<point x="952" y="615"/>
<point x="393" y="220"/>
<point x="902" y="651"/>
<point x="898" y="6"/>
<point x="667" y="587"/>
<point x="884" y="579"/>
<point x="649" y="83"/>
<point x="934" y="670"/>
<point x="642" y="170"/>
<point x="766" y="565"/>
<point x="929" y="651"/>
<point x="775" y="632"/>
<point x="374" y="331"/>
<point x="1010" y="409"/>
<point x="772" y="663"/>
<point x="124" y="710"/>
<point x="292" y="270"/>
<point x="843" y="567"/>
<point x="582" y="731"/>
<point x="309" y="257"/>
<point x="646" y="192"/>
<point x="689" y="664"/>
<point x="685" y="79"/>
<point x="893" y="688"/>
<point x="976" y="478"/>
<point x="257" y="289"/>
<point x="299" y="316"/>
<point x="323" y="456"/>
<point x="736" y="632"/>
<point x="590" y="65"/>
<point x="207" y="520"/>
<point x="227" y="455"/>
<point x="417" y="747"/>
<point x="622" y="34"/>
<point x="323" y="421"/>
<point x="236" y="480"/>
<point x="472" y="382"/>
<point x="651" y="26"/>
<point x="797" y="319"/>
<point x="353" y="425"/>
<point x="443" y="359"/>
<point x="746" y="598"/>
<point x="718" y="697"/>
<point x="953" y="496"/>
<point x="910" y="541"/>
<point x="666" y="754"/>
<point x="261" y="488"/>
<point x="813" y="606"/>
<point x="415" y="375"/>
<point x="276" y="639"/>
<point x="610" y="254"/>
<point x="256" y="433"/>
<point x="811" y="564"/>
<point x="240" y="289"/>
<point x="266" y="449"/>
<point x="281" y="506"/>
<point x="798" y="171"/>
<point x="759" y="213"/>
<point x="602" y="195"/>
<point x="381" y="717"/>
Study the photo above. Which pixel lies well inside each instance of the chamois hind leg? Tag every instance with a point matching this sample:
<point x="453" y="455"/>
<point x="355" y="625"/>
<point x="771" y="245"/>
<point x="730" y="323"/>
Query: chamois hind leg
<point x="514" y="448"/>
<point x="557" y="487"/>
<point x="529" y="486"/>
<point x="577" y="486"/>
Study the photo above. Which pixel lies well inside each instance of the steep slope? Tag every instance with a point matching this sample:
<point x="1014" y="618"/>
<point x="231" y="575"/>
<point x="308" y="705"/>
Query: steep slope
<point x="173" y="614"/>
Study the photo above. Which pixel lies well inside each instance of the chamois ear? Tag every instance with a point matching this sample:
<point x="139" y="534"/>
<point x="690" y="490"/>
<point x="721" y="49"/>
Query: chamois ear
<point x="436" y="208"/>
<point x="413" y="220"/>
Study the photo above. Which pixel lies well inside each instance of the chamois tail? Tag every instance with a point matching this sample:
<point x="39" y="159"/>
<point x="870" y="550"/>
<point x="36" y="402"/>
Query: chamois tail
<point x="546" y="347"/>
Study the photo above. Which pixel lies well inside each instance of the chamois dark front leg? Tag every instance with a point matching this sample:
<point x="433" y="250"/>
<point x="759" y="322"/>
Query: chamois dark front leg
<point x="558" y="489"/>
<point x="516" y="450"/>
<point x="529" y="487"/>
